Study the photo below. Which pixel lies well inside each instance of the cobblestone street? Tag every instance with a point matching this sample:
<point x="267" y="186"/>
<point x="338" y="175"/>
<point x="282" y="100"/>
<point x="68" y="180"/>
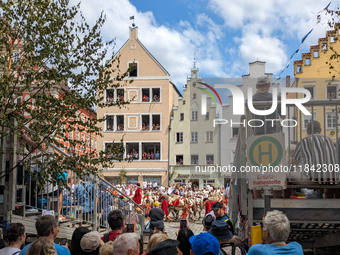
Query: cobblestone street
<point x="172" y="228"/>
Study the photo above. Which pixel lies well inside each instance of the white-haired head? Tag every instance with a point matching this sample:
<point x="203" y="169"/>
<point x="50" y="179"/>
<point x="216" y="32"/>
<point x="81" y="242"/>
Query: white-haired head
<point x="277" y="225"/>
<point x="124" y="243"/>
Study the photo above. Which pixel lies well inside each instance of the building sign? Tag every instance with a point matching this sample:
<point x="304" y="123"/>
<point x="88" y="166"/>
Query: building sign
<point x="183" y="176"/>
<point x="268" y="180"/>
<point x="198" y="176"/>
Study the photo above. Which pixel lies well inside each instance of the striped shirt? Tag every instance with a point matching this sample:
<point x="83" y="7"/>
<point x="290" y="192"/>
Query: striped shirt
<point x="318" y="160"/>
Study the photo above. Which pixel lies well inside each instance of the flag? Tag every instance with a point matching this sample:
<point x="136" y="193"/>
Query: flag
<point x="327" y="6"/>
<point x="132" y="17"/>
<point x="305" y="37"/>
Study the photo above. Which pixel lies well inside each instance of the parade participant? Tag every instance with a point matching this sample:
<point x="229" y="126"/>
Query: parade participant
<point x="207" y="205"/>
<point x="156" y="217"/>
<point x="147" y="206"/>
<point x="165" y="208"/>
<point x="138" y="195"/>
<point x="185" y="212"/>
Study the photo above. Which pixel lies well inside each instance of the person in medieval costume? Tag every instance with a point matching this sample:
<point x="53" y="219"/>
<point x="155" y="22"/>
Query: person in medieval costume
<point x="165" y="208"/>
<point x="138" y="195"/>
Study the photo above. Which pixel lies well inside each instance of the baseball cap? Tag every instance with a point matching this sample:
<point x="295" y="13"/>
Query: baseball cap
<point x="156" y="204"/>
<point x="220" y="230"/>
<point x="90" y="241"/>
<point x="217" y="206"/>
<point x="207" y="221"/>
<point x="263" y="80"/>
<point x="203" y="243"/>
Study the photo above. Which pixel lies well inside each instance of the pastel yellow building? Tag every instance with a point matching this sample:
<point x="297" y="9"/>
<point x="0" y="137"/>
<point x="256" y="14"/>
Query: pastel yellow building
<point x="144" y="123"/>
<point x="318" y="72"/>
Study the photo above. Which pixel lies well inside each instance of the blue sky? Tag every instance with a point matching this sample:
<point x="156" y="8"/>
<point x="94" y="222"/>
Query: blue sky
<point x="225" y="34"/>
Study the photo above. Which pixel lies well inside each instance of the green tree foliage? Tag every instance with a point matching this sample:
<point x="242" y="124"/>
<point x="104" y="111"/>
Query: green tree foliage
<point x="51" y="67"/>
<point x="122" y="178"/>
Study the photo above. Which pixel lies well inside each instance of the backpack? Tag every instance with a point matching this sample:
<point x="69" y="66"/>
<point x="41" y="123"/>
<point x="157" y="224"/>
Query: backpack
<point x="106" y="238"/>
<point x="233" y="250"/>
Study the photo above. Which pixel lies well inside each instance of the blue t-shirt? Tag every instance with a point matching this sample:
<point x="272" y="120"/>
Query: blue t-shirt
<point x="292" y="248"/>
<point x="61" y="250"/>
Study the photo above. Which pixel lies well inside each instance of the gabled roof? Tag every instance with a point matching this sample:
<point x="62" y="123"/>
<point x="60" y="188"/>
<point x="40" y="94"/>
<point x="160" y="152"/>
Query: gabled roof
<point x="146" y="50"/>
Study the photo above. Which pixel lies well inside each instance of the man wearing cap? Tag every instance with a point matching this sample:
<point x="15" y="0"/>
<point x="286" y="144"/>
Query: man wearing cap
<point x="221" y="231"/>
<point x="138" y="195"/>
<point x="156" y="217"/>
<point x="219" y="214"/>
<point x="204" y="243"/>
<point x="91" y="242"/>
<point x="207" y="221"/>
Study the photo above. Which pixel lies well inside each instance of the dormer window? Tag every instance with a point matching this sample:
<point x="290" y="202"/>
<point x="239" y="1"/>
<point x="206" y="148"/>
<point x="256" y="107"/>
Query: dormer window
<point x="324" y="46"/>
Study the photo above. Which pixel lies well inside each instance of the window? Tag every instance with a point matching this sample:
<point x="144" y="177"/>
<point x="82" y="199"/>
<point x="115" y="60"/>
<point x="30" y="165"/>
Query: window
<point x="307" y="61"/>
<point x="179" y="159"/>
<point x="332" y="39"/>
<point x="207" y="116"/>
<point x="179" y="137"/>
<point x="194" y="137"/>
<point x="209" y="136"/>
<point x="332" y="92"/>
<point x="95" y="144"/>
<point x="120" y="95"/>
<point x="209" y="159"/>
<point x="194" y="159"/>
<point x="114" y="150"/>
<point x="133" y="69"/>
<point x="132" y="150"/>
<point x="77" y="115"/>
<point x="109" y="123"/>
<point x="179" y="181"/>
<point x="16" y="57"/>
<point x="77" y="136"/>
<point x="307" y="119"/>
<point x="299" y="69"/>
<point x="145" y="95"/>
<point x="181" y="118"/>
<point x="88" y="141"/>
<point x="331" y="120"/>
<point x="156" y="122"/>
<point x="150" y="149"/>
<point x="235" y="132"/>
<point x="156" y="95"/>
<point x="92" y="143"/>
<point x="316" y="54"/>
<point x="311" y="89"/>
<point x="324" y="46"/>
<point x="83" y="137"/>
<point x="109" y="96"/>
<point x="120" y="122"/>
<point x="145" y="122"/>
<point x="208" y="182"/>
<point x="83" y="118"/>
<point x="194" y="115"/>
<point x="194" y="96"/>
<point x="70" y="135"/>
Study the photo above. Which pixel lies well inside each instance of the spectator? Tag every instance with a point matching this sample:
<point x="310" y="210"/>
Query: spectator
<point x="276" y="229"/>
<point x="322" y="153"/>
<point x="183" y="239"/>
<point x="157" y="155"/>
<point x="221" y="231"/>
<point x="167" y="247"/>
<point x="154" y="185"/>
<point x="91" y="243"/>
<point x="126" y="244"/>
<point x="204" y="243"/>
<point x="156" y="217"/>
<point x="207" y="221"/>
<point x="106" y="249"/>
<point x="145" y="184"/>
<point x="15" y="236"/>
<point x="76" y="237"/>
<point x="47" y="227"/>
<point x="155" y="238"/>
<point x="116" y="222"/>
<point x="42" y="246"/>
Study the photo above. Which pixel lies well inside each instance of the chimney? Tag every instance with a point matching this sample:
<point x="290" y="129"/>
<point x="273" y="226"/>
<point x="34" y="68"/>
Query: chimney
<point x="133" y="33"/>
<point x="288" y="81"/>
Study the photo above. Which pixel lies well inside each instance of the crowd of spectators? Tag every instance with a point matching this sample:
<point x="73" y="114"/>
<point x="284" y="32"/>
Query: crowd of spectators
<point x="216" y="237"/>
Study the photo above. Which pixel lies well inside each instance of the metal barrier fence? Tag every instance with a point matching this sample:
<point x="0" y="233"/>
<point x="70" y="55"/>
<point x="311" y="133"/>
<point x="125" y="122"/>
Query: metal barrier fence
<point x="86" y="201"/>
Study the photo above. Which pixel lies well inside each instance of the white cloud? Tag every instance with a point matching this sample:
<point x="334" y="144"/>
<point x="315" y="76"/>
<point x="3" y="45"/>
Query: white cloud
<point x="267" y="26"/>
